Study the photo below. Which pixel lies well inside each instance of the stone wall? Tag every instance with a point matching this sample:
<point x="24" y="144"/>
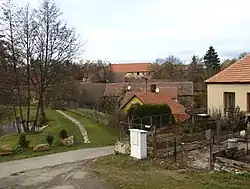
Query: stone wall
<point x="122" y="147"/>
<point x="223" y="164"/>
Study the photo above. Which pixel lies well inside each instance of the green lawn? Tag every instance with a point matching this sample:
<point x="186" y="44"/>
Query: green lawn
<point x="123" y="172"/>
<point x="98" y="135"/>
<point x="6" y="114"/>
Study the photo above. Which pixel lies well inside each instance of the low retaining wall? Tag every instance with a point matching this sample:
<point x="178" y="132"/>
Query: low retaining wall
<point x="183" y="147"/>
<point x="223" y="164"/>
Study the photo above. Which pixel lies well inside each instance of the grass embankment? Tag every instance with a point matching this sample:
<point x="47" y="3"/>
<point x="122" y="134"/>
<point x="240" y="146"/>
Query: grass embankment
<point x="123" y="172"/>
<point x="98" y="135"/>
<point x="94" y="115"/>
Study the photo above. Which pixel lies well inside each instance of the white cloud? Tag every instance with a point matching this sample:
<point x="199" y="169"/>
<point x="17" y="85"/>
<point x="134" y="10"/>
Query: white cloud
<point x="146" y="29"/>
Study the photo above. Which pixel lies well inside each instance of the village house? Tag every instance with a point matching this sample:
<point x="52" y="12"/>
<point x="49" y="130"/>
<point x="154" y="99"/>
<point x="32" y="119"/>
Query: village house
<point x="126" y="72"/>
<point x="178" y="110"/>
<point x="181" y="92"/>
<point x="230" y="88"/>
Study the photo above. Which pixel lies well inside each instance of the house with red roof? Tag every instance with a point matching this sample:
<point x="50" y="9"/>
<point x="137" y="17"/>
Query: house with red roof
<point x="230" y="88"/>
<point x="128" y="71"/>
<point x="178" y="110"/>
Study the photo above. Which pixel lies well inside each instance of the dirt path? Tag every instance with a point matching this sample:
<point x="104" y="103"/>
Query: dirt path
<point x="79" y="125"/>
<point x="65" y="176"/>
<point x="11" y="167"/>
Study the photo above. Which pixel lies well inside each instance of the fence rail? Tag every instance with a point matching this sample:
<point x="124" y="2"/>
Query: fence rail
<point x="160" y="120"/>
<point x="94" y="115"/>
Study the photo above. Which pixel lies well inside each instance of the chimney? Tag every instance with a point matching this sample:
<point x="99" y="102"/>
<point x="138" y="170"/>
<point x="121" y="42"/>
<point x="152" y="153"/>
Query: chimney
<point x="153" y="88"/>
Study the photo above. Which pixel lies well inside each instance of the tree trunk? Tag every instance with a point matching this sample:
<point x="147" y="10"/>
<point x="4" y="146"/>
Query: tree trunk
<point x="15" y="115"/>
<point x="28" y="70"/>
<point x="36" y="118"/>
<point x="43" y="118"/>
<point x="26" y="129"/>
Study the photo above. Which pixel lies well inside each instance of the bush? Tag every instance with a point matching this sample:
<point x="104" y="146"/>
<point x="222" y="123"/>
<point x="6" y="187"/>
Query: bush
<point x="23" y="142"/>
<point x="190" y="128"/>
<point x="138" y="111"/>
<point x="49" y="139"/>
<point x="63" y="134"/>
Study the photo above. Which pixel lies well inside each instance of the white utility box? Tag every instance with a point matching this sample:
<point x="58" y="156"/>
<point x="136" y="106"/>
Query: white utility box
<point x="138" y="143"/>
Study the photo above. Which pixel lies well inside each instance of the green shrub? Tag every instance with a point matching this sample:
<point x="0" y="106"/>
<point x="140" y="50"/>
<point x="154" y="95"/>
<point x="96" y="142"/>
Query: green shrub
<point x="63" y="134"/>
<point x="23" y="142"/>
<point x="49" y="139"/>
<point x="190" y="128"/>
<point x="145" y="111"/>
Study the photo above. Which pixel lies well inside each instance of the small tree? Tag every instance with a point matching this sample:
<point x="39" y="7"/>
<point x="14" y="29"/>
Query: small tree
<point x="63" y="134"/>
<point x="171" y="68"/>
<point x="23" y="142"/>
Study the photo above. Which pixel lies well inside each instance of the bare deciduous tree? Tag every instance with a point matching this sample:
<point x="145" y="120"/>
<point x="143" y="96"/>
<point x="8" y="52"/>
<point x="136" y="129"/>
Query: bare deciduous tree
<point x="10" y="25"/>
<point x="40" y="46"/>
<point x="26" y="46"/>
<point x="56" y="44"/>
<point x="171" y="68"/>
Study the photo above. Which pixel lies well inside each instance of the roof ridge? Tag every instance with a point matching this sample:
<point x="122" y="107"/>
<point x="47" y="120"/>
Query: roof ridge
<point x="118" y="63"/>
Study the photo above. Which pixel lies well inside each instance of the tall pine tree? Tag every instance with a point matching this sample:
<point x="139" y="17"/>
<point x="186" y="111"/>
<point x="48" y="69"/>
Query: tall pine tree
<point x="212" y="61"/>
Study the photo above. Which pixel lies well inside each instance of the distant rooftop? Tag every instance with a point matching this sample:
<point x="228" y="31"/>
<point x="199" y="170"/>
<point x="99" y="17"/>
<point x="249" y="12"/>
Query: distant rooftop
<point x="131" y="67"/>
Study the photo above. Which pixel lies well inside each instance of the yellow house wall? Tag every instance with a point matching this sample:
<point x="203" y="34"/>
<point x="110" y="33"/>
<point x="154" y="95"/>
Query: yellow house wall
<point x="215" y="94"/>
<point x="134" y="100"/>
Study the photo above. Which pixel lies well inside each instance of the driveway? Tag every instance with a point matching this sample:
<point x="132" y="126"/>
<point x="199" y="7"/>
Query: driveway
<point x="9" y="168"/>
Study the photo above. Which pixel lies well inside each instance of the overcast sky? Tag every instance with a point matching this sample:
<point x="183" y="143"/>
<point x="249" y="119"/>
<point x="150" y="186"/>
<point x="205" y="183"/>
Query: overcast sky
<point x="143" y="30"/>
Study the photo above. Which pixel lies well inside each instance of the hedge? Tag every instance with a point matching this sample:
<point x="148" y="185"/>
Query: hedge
<point x="142" y="113"/>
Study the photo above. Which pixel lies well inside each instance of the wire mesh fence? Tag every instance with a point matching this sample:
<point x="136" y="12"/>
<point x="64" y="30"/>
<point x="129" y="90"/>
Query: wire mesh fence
<point x="173" y="143"/>
<point x="159" y="121"/>
<point x="94" y="115"/>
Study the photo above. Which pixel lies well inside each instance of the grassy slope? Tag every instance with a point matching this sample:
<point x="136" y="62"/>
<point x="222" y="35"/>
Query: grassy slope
<point x="98" y="134"/>
<point x="56" y="123"/>
<point x="125" y="173"/>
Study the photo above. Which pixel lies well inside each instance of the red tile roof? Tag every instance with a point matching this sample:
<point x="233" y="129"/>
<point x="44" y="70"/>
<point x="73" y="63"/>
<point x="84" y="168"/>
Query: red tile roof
<point x="177" y="109"/>
<point x="238" y="72"/>
<point x="131" y="67"/>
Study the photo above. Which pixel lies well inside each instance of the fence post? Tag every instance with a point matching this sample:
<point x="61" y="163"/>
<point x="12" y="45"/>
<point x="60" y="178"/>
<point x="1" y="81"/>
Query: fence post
<point x="120" y="131"/>
<point x="193" y="119"/>
<point x="246" y="143"/>
<point x="151" y="121"/>
<point x="93" y="113"/>
<point x="141" y="123"/>
<point x="154" y="140"/>
<point x="161" y="121"/>
<point x="175" y="150"/>
<point x="210" y="151"/>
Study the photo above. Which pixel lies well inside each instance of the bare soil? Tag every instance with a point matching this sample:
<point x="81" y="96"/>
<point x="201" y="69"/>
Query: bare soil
<point x="66" y="176"/>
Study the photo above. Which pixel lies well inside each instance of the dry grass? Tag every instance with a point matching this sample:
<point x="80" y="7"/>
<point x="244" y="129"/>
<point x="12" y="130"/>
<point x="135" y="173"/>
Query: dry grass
<point x="123" y="172"/>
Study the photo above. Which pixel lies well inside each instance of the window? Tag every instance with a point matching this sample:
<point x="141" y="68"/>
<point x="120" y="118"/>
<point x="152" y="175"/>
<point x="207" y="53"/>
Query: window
<point x="248" y="102"/>
<point x="229" y="100"/>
